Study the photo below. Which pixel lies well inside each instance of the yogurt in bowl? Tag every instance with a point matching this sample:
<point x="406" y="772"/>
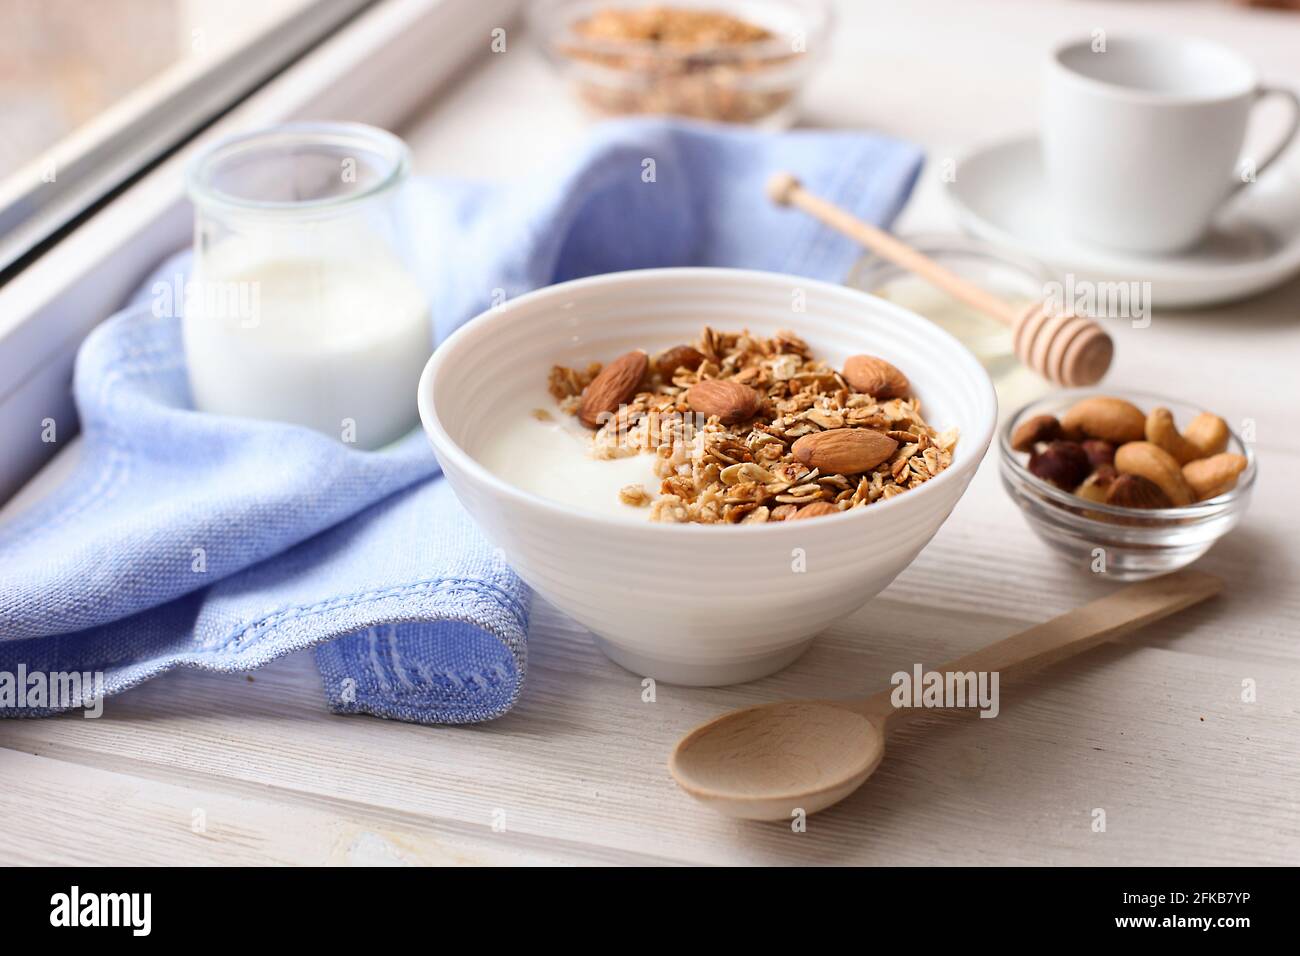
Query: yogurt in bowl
<point x="558" y="463"/>
<point x="686" y="603"/>
<point x="738" y="427"/>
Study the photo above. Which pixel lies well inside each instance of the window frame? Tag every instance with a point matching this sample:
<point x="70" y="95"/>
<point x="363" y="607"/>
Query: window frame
<point x="99" y="159"/>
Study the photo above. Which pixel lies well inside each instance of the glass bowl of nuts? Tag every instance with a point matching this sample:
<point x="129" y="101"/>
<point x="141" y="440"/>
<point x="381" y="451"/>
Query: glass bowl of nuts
<point x="1126" y="484"/>
<point x="720" y="60"/>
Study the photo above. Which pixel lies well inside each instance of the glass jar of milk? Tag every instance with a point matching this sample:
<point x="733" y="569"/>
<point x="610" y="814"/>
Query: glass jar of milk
<point x="303" y="305"/>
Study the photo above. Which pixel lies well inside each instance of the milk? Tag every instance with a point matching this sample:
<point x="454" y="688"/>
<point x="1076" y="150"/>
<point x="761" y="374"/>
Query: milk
<point x="336" y="343"/>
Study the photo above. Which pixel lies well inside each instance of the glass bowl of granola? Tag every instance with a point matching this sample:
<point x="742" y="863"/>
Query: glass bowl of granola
<point x="720" y="60"/>
<point x="1125" y="484"/>
<point x="701" y="476"/>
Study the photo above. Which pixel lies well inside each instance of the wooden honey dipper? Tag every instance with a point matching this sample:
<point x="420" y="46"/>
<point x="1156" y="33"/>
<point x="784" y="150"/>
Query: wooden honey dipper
<point x="1064" y="348"/>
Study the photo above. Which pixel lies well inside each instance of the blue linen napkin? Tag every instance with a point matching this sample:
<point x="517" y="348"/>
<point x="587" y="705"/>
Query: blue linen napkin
<point x="191" y="540"/>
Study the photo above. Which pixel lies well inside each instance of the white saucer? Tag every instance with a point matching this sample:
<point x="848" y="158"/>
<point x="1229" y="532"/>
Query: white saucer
<point x="999" y="194"/>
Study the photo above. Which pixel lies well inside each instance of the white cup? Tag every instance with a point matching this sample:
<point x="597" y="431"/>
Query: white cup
<point x="1142" y="138"/>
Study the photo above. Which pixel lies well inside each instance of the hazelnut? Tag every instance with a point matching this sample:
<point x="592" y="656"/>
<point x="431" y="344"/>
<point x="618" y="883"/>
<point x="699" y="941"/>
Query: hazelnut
<point x="1134" y="491"/>
<point x="1063" y="463"/>
<point x="1099" y="452"/>
<point x="1033" y="430"/>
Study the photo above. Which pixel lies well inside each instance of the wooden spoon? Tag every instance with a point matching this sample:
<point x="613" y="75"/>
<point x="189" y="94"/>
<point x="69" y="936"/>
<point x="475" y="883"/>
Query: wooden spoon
<point x="1064" y="348"/>
<point x="762" y="763"/>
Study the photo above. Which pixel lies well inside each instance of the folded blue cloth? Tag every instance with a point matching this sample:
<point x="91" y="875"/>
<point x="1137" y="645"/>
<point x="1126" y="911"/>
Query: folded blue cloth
<point x="185" y="539"/>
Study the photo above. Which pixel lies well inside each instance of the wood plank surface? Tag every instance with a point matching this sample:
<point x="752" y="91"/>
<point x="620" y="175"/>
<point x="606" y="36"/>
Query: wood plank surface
<point x="1153" y="730"/>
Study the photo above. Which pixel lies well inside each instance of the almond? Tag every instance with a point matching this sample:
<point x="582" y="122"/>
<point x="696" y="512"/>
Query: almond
<point x="876" y="377"/>
<point x="615" y="384"/>
<point x="1156" y="465"/>
<point x="1134" y="491"/>
<point x="679" y="356"/>
<point x="1097" y="485"/>
<point x="1111" y="419"/>
<point x="1213" y="476"/>
<point x="731" y="402"/>
<point x="815" y="510"/>
<point x="844" y="451"/>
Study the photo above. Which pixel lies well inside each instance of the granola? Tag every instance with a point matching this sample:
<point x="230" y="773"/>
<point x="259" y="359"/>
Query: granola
<point x="680" y="27"/>
<point x="679" y="60"/>
<point x="811" y="436"/>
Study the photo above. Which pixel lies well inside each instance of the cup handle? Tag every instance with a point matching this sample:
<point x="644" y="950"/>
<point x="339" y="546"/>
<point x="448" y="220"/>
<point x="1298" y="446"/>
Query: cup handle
<point x="1292" y="128"/>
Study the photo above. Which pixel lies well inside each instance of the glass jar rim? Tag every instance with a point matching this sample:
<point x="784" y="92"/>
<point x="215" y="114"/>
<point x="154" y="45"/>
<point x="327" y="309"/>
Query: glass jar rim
<point x="381" y="142"/>
<point x="942" y="246"/>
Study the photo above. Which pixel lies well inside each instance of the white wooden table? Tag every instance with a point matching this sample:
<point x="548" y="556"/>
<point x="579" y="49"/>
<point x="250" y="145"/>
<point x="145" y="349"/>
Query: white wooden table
<point x="196" y="768"/>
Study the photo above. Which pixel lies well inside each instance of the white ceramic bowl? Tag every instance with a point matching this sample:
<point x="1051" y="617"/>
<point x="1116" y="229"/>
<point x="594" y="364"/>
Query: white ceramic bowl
<point x="698" y="604"/>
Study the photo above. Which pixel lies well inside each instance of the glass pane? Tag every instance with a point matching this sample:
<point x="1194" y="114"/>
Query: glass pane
<point x="65" y="63"/>
<point x="95" y="89"/>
